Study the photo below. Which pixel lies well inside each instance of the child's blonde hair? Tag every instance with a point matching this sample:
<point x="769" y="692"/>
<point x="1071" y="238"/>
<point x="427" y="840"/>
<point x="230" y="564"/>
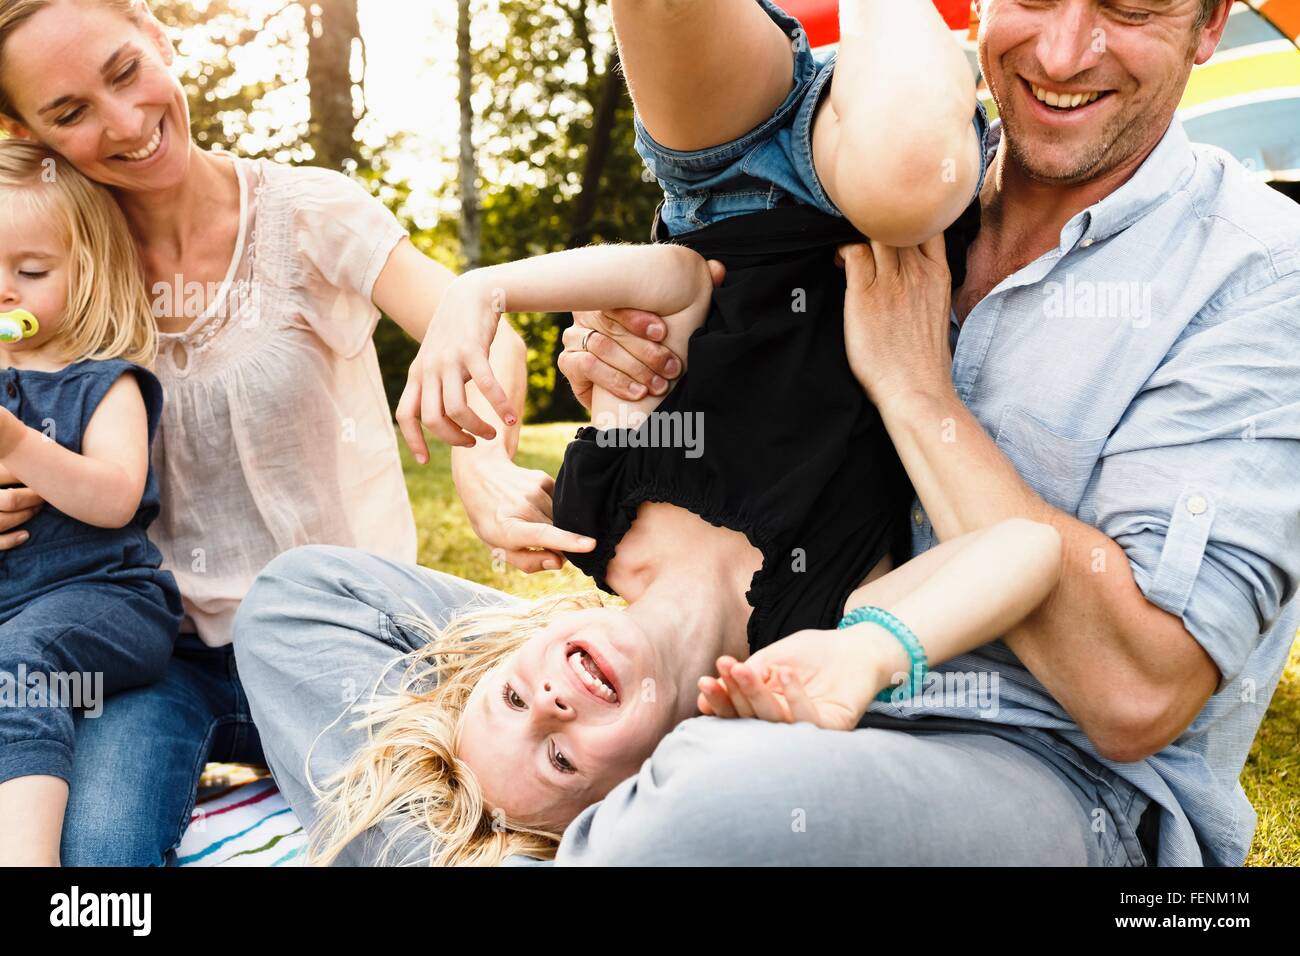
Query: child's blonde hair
<point x="409" y="773"/>
<point x="108" y="313"/>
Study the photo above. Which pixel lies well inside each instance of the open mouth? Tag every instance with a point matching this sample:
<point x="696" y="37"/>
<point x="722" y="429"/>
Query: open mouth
<point x="1066" y="102"/>
<point x="149" y="150"/>
<point x="592" y="674"/>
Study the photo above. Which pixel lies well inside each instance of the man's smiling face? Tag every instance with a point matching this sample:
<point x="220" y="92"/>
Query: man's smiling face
<point x="1085" y="86"/>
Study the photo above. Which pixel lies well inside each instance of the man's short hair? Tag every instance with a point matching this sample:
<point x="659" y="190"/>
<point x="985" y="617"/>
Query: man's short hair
<point x="1207" y="10"/>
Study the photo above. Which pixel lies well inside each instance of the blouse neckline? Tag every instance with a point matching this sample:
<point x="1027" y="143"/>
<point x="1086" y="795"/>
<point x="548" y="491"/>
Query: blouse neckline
<point x="224" y="291"/>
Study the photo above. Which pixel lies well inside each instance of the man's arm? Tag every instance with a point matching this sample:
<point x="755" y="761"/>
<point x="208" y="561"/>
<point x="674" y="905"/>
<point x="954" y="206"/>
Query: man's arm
<point x="680" y="59"/>
<point x="1132" y="673"/>
<point x="1129" y="673"/>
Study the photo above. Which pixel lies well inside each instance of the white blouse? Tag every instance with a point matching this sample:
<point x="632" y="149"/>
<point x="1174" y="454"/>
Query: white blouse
<point x="276" y="432"/>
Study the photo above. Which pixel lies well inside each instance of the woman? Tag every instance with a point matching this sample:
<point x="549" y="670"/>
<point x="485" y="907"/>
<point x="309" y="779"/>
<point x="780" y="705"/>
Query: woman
<point x="267" y="282"/>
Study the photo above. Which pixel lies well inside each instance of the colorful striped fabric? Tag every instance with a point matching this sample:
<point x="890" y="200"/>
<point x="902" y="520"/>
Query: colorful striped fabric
<point x="246" y="825"/>
<point x="1245" y="100"/>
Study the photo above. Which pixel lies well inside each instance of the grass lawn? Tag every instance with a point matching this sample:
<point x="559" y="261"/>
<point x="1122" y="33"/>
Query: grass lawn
<point x="1271" y="778"/>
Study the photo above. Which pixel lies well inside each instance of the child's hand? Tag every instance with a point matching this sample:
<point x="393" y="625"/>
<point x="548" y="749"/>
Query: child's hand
<point x="455" y="351"/>
<point x="827" y="678"/>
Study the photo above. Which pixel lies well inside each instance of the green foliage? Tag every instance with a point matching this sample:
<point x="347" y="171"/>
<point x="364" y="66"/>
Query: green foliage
<point x="234" y="113"/>
<point x="541" y="83"/>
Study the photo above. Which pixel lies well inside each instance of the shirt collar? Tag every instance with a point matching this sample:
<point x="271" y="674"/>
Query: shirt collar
<point x="1161" y="174"/>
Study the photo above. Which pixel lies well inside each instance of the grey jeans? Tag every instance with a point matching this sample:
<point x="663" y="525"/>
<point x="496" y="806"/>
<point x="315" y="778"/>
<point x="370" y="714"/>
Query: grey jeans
<point x="321" y="626"/>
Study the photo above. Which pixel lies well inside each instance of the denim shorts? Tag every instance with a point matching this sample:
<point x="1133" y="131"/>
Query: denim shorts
<point x="772" y="165"/>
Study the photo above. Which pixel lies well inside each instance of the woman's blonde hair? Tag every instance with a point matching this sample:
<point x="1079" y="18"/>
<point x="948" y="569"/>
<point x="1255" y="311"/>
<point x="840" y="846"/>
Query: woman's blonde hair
<point x="409" y="774"/>
<point x="108" y="314"/>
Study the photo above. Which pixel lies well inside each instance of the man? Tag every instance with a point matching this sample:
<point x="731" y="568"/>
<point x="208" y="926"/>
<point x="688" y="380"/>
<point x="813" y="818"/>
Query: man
<point x="1119" y="363"/>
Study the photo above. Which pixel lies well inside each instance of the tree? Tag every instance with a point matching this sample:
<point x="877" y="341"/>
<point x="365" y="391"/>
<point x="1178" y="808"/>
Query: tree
<point x="470" y="233"/>
<point x="560" y="166"/>
<point x="333" y="36"/>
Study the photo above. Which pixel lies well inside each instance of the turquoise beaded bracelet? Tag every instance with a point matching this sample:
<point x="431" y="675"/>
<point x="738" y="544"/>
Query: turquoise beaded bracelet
<point x="920" y="663"/>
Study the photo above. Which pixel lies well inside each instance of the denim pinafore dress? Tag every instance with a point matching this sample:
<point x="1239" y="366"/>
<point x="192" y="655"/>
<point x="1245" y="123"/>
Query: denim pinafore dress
<point x="62" y="553"/>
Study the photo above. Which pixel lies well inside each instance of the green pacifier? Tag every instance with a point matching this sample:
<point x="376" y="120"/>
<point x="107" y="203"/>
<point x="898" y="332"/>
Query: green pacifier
<point x="17" y="325"/>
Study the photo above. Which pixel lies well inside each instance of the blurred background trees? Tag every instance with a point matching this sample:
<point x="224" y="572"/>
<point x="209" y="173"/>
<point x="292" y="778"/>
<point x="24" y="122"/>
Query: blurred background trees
<point x="543" y="159"/>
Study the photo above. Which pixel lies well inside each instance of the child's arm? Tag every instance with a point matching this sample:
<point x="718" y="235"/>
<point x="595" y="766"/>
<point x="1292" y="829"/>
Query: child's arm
<point x="666" y="279"/>
<point x="894" y="143"/>
<point x="103" y="485"/>
<point x="954" y="598"/>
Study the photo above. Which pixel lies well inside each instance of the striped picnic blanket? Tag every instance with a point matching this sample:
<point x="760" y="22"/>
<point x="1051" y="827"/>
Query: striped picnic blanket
<point x="247" y="824"/>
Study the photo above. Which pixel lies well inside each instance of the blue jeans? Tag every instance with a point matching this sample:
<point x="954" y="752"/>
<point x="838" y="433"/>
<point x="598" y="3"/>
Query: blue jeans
<point x="321" y="628"/>
<point x="136" y="769"/>
<point x="100" y="637"/>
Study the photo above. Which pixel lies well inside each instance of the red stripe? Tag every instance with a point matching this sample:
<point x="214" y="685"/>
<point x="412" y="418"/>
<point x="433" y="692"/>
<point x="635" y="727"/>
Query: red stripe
<point x="235" y="806"/>
<point x="821" y="18"/>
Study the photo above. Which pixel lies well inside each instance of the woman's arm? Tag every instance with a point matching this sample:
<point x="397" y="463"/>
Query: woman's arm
<point x="680" y="57"/>
<point x="665" y="278"/>
<point x="103" y="485"/>
<point x="894" y="144"/>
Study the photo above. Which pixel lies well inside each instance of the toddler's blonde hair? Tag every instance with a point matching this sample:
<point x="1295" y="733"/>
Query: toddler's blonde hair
<point x="108" y="314"/>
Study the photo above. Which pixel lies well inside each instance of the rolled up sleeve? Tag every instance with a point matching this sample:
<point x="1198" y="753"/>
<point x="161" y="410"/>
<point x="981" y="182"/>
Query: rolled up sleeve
<point x="1200" y="481"/>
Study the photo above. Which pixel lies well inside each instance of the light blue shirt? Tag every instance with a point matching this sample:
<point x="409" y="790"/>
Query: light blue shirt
<point x="1144" y="376"/>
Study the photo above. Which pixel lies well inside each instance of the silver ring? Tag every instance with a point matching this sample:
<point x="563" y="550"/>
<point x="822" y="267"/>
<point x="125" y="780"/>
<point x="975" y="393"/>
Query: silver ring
<point x="585" y="338"/>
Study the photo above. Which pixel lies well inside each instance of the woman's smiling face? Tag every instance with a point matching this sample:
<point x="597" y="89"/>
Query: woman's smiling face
<point x="97" y="87"/>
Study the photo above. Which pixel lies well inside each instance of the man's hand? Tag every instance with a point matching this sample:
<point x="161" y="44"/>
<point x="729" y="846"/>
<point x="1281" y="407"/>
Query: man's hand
<point x="623" y="354"/>
<point x="896" y="318"/>
<point x="455" y="350"/>
<point x="509" y="508"/>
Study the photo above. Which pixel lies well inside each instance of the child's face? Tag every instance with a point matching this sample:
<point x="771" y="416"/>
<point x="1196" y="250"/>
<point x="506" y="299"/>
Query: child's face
<point x="34" y="271"/>
<point x="545" y="743"/>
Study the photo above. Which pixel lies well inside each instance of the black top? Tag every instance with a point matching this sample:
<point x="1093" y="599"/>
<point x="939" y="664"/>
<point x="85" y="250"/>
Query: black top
<point x="781" y="441"/>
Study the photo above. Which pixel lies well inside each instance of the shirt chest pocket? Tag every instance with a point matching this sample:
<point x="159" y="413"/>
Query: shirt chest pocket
<point x="1056" y="466"/>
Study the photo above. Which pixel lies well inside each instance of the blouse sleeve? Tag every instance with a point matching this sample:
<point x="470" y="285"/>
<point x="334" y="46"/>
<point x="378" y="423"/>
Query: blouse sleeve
<point x="344" y="237"/>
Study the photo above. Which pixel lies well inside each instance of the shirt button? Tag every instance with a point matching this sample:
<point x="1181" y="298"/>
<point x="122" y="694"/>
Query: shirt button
<point x="919" y="517"/>
<point x="1197" y="504"/>
<point x="1086" y="243"/>
<point x="12" y="390"/>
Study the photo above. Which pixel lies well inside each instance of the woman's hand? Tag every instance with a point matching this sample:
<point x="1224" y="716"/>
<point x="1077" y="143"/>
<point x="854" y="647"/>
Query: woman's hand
<point x="896" y="318"/>
<point x="623" y="353"/>
<point x="17" y="505"/>
<point x="455" y="350"/>
<point x="509" y="508"/>
<point x="827" y="678"/>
